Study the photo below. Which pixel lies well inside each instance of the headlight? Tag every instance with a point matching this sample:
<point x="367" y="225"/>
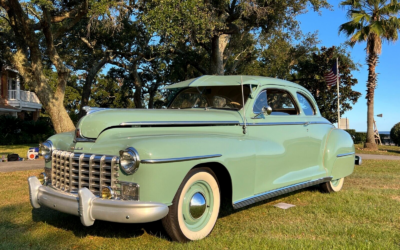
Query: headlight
<point x="129" y="160"/>
<point x="45" y="150"/>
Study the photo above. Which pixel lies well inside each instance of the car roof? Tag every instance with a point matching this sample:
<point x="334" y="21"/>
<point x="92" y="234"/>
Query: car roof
<point x="233" y="80"/>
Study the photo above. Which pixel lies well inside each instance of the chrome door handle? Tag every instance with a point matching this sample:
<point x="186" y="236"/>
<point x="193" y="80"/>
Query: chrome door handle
<point x="307" y="123"/>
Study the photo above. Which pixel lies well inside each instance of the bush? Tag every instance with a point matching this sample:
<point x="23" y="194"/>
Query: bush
<point x="15" y="131"/>
<point x="395" y="134"/>
<point x="358" y="137"/>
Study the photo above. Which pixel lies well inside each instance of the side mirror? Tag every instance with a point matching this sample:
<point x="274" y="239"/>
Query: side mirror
<point x="266" y="110"/>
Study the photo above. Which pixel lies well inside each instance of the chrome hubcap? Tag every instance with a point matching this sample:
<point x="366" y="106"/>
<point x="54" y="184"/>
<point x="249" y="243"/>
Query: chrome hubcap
<point x="197" y="205"/>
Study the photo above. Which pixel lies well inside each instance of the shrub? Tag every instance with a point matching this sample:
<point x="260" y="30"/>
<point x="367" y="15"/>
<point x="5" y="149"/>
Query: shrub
<point x="15" y="131"/>
<point x="395" y="134"/>
<point x="360" y="137"/>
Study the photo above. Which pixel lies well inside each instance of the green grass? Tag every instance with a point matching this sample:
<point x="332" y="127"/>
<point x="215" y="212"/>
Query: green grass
<point x="21" y="150"/>
<point x="382" y="150"/>
<point x="364" y="215"/>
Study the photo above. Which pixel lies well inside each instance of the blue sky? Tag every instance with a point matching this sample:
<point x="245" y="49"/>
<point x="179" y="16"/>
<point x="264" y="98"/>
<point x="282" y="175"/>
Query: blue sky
<point x="387" y="94"/>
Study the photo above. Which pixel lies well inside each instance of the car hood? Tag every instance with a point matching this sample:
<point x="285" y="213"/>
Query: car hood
<point x="96" y="121"/>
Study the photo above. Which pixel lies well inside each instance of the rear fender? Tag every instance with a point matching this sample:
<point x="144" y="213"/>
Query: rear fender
<point x="339" y="154"/>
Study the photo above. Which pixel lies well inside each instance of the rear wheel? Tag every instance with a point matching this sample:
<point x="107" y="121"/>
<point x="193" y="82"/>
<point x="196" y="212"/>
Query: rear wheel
<point x="194" y="210"/>
<point x="332" y="186"/>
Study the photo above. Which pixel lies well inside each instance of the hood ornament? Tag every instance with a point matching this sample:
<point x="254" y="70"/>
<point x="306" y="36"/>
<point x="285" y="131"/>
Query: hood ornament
<point x="90" y="110"/>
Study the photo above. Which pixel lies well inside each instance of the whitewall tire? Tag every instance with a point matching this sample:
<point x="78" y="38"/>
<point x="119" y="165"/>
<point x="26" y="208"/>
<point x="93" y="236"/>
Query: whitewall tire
<point x="195" y="208"/>
<point x="332" y="186"/>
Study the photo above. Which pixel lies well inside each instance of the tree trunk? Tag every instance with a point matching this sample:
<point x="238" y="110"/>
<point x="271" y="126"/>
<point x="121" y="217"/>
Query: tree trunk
<point x="87" y="87"/>
<point x="218" y="45"/>
<point x="58" y="115"/>
<point x="371" y="84"/>
<point x="137" y="82"/>
<point x="152" y="93"/>
<point x="32" y="70"/>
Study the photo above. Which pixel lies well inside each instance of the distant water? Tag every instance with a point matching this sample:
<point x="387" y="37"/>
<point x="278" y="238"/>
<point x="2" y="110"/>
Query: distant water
<point x="380" y="132"/>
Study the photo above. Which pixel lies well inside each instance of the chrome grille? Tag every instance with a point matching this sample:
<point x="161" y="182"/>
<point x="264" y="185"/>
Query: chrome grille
<point x="72" y="171"/>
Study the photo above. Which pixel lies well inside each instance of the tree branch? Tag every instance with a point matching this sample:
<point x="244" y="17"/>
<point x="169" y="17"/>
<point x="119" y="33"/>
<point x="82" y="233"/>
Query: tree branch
<point x="85" y="41"/>
<point x="67" y="26"/>
<point x="33" y="13"/>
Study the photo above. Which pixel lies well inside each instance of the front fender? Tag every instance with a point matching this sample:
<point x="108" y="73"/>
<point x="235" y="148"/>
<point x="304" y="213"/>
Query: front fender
<point x="339" y="143"/>
<point x="159" y="182"/>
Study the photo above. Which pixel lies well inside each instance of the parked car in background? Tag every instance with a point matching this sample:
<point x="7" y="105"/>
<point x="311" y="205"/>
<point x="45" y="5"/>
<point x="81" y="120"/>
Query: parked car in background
<point x="242" y="138"/>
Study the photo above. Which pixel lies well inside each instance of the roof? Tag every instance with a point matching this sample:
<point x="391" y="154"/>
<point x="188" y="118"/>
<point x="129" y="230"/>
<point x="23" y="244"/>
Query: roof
<point x="232" y="80"/>
<point x="8" y="108"/>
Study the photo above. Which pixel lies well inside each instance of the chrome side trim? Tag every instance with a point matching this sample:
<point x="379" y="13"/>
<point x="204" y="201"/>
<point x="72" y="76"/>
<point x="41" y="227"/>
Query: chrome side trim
<point x="284" y="123"/>
<point x="277" y="192"/>
<point x="321" y="122"/>
<point x="84" y="140"/>
<point x="168" y="160"/>
<point x="181" y="123"/>
<point x="346" y="154"/>
<point x="274" y="123"/>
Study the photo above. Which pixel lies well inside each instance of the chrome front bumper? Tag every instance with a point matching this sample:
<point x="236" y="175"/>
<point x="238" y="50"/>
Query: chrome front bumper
<point x="90" y="208"/>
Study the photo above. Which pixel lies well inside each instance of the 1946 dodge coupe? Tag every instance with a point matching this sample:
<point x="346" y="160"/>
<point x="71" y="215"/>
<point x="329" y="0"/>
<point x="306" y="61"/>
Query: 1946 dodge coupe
<point x="241" y="138"/>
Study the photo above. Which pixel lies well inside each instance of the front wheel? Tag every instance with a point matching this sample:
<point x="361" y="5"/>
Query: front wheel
<point x="195" y="207"/>
<point x="332" y="186"/>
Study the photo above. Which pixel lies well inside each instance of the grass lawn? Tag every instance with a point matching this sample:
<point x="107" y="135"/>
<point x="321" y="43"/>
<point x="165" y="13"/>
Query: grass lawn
<point x="364" y="215"/>
<point x="21" y="150"/>
<point x="382" y="150"/>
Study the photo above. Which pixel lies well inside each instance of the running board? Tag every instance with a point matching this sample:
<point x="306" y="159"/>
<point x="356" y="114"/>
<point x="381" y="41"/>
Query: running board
<point x="277" y="192"/>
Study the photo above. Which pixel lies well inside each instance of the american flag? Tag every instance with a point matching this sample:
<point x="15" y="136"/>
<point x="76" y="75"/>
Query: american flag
<point x="331" y="76"/>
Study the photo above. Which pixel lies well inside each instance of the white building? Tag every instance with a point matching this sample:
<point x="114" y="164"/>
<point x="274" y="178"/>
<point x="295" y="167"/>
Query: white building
<point x="14" y="99"/>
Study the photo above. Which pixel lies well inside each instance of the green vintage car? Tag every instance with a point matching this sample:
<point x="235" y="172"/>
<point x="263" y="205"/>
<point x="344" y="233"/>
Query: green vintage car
<point x="243" y="139"/>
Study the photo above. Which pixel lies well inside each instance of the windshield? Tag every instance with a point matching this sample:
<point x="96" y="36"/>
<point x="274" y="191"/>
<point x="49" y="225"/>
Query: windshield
<point x="220" y="97"/>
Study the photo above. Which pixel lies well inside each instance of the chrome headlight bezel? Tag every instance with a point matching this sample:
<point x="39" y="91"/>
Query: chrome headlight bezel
<point x="46" y="149"/>
<point x="129" y="160"/>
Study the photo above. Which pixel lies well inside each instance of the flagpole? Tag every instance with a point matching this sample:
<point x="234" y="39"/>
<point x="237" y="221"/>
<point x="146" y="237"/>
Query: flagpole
<point x="337" y="84"/>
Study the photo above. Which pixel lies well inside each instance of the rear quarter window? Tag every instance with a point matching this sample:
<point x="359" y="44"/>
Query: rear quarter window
<point x="306" y="104"/>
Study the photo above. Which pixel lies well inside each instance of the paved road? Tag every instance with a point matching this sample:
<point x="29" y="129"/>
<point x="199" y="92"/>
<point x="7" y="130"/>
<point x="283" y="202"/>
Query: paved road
<point x="21" y="165"/>
<point x="379" y="157"/>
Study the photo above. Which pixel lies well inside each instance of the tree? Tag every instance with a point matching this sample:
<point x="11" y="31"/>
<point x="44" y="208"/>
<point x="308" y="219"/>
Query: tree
<point x="281" y="55"/>
<point x="39" y="28"/>
<point x="395" y="134"/>
<point x="309" y="72"/>
<point x="221" y="27"/>
<point x="371" y="21"/>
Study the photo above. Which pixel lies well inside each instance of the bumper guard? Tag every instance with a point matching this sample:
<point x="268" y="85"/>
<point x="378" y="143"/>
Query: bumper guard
<point x="90" y="208"/>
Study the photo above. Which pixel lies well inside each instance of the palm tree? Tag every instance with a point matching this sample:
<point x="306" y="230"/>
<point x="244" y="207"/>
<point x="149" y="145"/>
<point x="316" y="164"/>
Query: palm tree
<point x="371" y="21"/>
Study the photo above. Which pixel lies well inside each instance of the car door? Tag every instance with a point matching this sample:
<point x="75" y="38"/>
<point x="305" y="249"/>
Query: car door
<point x="280" y="140"/>
<point x="318" y="129"/>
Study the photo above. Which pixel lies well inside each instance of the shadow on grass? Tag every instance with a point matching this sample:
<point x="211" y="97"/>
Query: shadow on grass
<point x="122" y="230"/>
<point x="100" y="228"/>
<point x="394" y="151"/>
<point x="227" y="209"/>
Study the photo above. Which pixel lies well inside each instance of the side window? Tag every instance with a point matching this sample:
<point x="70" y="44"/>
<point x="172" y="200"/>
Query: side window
<point x="305" y="104"/>
<point x="260" y="102"/>
<point x="281" y="102"/>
